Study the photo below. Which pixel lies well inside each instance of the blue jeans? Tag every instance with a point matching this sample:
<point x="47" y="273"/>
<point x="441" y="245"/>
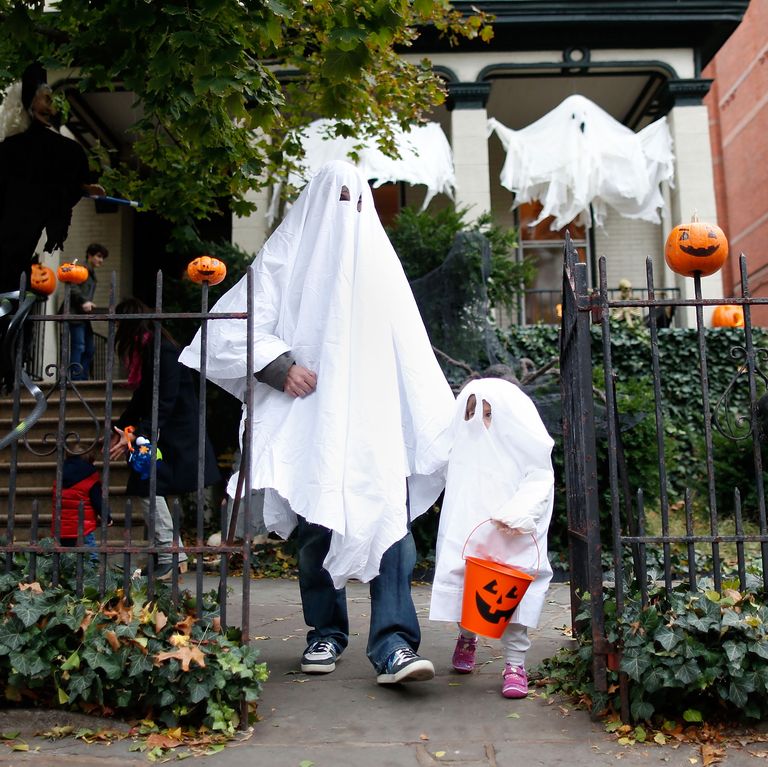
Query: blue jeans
<point x="80" y="350"/>
<point x="394" y="623"/>
<point x="88" y="540"/>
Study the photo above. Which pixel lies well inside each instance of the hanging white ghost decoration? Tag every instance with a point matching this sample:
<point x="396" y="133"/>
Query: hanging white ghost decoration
<point x="577" y="155"/>
<point x="425" y="158"/>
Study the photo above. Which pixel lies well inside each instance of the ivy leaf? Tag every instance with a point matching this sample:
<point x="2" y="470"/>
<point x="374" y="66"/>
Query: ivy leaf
<point x="30" y="607"/>
<point x="688" y="672"/>
<point x="11" y="636"/>
<point x="635" y="666"/>
<point x="72" y="663"/>
<point x="692" y="715"/>
<point x="734" y="651"/>
<point x="666" y="637"/>
<point x="29" y="664"/>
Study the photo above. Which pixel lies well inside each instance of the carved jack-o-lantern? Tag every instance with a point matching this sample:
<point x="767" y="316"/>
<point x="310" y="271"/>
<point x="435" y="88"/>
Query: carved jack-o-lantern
<point x="207" y="269"/>
<point x="728" y="316"/>
<point x="496" y="605"/>
<point x="75" y="273"/>
<point x="697" y="247"/>
<point x="42" y="279"/>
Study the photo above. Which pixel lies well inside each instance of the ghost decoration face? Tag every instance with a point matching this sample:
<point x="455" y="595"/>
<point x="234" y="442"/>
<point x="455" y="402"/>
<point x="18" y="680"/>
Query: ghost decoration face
<point x="495" y="604"/>
<point x="696" y="247"/>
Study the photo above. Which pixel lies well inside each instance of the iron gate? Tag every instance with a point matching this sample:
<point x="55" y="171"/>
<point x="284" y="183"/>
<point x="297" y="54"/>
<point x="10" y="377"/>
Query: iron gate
<point x="47" y="421"/>
<point x="624" y="508"/>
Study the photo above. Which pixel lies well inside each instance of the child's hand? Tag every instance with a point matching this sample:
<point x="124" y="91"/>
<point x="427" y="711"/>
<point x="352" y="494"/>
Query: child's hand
<point x="503" y="527"/>
<point x="118" y="446"/>
<point x="523" y="525"/>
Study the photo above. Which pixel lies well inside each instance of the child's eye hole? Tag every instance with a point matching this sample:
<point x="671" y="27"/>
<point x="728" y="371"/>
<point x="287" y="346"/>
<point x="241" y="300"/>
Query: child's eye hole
<point x="359" y="203"/>
<point x="345" y="195"/>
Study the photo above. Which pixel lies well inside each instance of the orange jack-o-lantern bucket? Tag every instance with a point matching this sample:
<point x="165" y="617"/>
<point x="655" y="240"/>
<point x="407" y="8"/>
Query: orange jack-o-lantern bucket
<point x="492" y="592"/>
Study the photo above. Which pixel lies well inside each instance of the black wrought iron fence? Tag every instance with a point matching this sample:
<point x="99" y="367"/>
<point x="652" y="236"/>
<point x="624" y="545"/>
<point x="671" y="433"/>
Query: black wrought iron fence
<point x="685" y="536"/>
<point x="78" y="420"/>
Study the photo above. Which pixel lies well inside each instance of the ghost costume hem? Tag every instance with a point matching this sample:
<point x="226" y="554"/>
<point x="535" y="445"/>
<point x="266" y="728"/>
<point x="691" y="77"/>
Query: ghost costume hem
<point x="502" y="473"/>
<point x="329" y="289"/>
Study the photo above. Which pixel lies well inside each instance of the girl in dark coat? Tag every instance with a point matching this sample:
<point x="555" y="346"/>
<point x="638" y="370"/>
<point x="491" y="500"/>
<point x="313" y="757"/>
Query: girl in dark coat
<point x="177" y="420"/>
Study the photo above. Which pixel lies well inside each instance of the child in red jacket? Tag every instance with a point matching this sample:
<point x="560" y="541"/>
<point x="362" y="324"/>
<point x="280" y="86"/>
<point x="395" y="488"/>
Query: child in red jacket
<point x="80" y="484"/>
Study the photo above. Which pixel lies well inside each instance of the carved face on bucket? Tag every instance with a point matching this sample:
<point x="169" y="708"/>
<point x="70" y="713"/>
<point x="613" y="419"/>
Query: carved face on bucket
<point x="494" y="604"/>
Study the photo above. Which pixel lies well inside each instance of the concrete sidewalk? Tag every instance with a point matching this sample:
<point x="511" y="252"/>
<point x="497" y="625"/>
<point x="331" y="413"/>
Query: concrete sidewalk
<point x="345" y="719"/>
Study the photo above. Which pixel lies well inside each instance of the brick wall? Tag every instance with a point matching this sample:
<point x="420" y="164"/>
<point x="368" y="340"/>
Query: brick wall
<point x="738" y="111"/>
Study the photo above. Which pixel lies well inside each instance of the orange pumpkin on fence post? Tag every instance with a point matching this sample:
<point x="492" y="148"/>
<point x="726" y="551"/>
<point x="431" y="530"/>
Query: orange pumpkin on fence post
<point x="42" y="279"/>
<point x="207" y="269"/>
<point x="728" y="316"/>
<point x="694" y="248"/>
<point x="73" y="272"/>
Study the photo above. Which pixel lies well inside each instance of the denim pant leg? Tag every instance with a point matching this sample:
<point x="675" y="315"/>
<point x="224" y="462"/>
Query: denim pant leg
<point x="325" y="607"/>
<point x="77" y="350"/>
<point x="394" y="622"/>
<point x="88" y="351"/>
<point x="163" y="529"/>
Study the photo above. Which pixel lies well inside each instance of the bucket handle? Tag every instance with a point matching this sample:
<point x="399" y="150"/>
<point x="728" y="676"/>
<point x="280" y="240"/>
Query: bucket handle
<point x="490" y="519"/>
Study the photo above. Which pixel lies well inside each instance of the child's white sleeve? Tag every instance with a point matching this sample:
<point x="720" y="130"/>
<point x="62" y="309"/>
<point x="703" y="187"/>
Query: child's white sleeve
<point x="524" y="509"/>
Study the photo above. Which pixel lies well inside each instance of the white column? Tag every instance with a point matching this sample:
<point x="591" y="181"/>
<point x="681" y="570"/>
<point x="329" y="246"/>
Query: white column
<point x="694" y="192"/>
<point x="469" y="142"/>
<point x="250" y="232"/>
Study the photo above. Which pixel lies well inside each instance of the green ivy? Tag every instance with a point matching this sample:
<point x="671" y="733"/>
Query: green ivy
<point x="709" y="648"/>
<point x="120" y="653"/>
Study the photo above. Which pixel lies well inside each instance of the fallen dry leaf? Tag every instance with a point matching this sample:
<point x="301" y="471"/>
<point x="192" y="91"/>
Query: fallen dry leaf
<point x="185" y="655"/>
<point x="711" y="754"/>
<point x="114" y="642"/>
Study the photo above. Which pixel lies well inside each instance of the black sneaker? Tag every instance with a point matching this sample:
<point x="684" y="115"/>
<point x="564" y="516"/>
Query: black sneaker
<point x="319" y="657"/>
<point x="405" y="666"/>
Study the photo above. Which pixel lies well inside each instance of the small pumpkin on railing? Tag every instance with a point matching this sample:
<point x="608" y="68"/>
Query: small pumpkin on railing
<point x="42" y="279"/>
<point x="73" y="272"/>
<point x="207" y="269"/>
<point x="728" y="316"/>
<point x="694" y="248"/>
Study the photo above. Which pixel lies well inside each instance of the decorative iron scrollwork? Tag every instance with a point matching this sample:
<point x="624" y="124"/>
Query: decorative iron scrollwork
<point x="73" y="442"/>
<point x="724" y="417"/>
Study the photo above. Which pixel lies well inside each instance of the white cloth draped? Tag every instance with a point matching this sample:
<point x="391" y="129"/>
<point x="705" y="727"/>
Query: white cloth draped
<point x="329" y="288"/>
<point x="503" y="472"/>
<point x="577" y="155"/>
<point x="425" y="158"/>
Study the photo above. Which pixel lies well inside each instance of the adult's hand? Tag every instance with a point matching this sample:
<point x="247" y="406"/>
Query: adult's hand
<point x="87" y="306"/>
<point x="300" y="381"/>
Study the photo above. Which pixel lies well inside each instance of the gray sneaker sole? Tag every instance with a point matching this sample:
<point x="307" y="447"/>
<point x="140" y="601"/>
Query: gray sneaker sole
<point x="419" y="671"/>
<point x="317" y="668"/>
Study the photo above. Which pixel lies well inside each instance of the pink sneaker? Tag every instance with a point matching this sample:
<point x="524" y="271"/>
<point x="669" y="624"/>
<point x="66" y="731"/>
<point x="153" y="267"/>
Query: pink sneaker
<point x="515" y="682"/>
<point x="464" y="655"/>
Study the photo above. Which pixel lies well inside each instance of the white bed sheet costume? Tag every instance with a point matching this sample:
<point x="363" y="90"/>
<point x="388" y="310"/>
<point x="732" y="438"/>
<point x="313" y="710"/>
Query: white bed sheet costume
<point x="503" y="472"/>
<point x="330" y="289"/>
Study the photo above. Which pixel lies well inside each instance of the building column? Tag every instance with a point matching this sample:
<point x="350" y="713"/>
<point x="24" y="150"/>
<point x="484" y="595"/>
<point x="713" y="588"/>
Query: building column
<point x="694" y="190"/>
<point x="469" y="142"/>
<point x="250" y="232"/>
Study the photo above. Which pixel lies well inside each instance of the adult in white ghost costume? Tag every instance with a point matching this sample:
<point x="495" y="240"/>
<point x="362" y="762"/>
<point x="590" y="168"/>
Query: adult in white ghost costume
<point x="351" y="402"/>
<point x="500" y="469"/>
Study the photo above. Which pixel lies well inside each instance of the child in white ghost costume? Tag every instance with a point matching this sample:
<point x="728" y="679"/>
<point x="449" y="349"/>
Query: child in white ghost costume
<point x="500" y="469"/>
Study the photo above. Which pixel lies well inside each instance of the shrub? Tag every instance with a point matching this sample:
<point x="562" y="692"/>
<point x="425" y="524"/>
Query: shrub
<point x="703" y="653"/>
<point x="121" y="653"/>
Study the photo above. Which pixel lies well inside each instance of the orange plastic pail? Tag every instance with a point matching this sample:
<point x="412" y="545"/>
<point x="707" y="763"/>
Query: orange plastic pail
<point x="492" y="591"/>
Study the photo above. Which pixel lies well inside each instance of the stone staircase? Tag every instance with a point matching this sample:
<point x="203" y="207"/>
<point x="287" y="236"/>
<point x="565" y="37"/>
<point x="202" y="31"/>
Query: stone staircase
<point x="34" y="457"/>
